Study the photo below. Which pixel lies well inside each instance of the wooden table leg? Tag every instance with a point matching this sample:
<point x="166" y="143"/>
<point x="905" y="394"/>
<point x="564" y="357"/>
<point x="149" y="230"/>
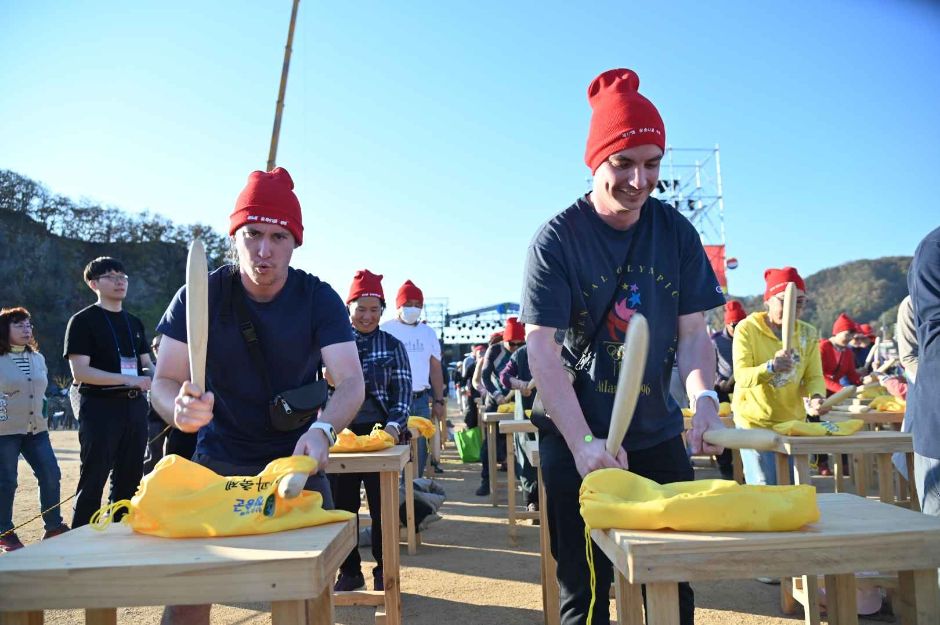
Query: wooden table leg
<point x="912" y="482"/>
<point x="737" y="466"/>
<point x="885" y="478"/>
<point x="389" y="492"/>
<point x="662" y="603"/>
<point x="802" y="475"/>
<point x="101" y="616"/>
<point x="859" y="464"/>
<point x="918" y="597"/>
<point x="410" y="501"/>
<point x="435" y="442"/>
<point x="838" y="472"/>
<point x="840" y="599"/>
<point x="21" y="618"/>
<point x="782" y="463"/>
<point x="551" y="606"/>
<point x="629" y="598"/>
<point x="320" y="608"/>
<point x="289" y="612"/>
<point x="493" y="440"/>
<point x="511" y="485"/>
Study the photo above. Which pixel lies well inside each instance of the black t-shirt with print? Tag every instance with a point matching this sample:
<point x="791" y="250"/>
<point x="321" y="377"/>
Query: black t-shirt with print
<point x="572" y="270"/>
<point x="100" y="334"/>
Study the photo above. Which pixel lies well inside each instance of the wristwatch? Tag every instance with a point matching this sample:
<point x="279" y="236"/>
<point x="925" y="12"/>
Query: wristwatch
<point x="710" y="394"/>
<point x="327" y="429"/>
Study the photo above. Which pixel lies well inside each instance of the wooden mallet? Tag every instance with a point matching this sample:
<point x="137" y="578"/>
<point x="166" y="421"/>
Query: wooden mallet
<point x="789" y="316"/>
<point x="831" y="401"/>
<point x="632" y="368"/>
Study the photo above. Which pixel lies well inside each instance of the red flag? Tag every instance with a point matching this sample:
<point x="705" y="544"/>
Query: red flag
<point x="716" y="256"/>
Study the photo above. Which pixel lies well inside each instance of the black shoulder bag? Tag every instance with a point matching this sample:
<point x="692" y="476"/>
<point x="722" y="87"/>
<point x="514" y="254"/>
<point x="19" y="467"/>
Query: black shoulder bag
<point x="288" y="410"/>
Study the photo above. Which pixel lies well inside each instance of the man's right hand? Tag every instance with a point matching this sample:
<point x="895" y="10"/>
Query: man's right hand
<point x="592" y="456"/>
<point x="783" y="361"/>
<point x="140" y="381"/>
<point x="192" y="408"/>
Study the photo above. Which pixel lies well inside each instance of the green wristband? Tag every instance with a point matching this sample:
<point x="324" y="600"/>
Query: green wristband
<point x="588" y="438"/>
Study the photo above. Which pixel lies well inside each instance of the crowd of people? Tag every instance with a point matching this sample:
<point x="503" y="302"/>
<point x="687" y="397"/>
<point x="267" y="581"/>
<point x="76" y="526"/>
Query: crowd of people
<point x="612" y="253"/>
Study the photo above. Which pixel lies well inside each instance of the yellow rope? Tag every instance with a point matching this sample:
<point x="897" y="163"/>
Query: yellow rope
<point x="589" y="553"/>
<point x="105" y="516"/>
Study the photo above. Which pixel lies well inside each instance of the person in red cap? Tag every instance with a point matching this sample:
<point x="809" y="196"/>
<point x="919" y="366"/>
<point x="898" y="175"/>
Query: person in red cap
<point x="770" y="382"/>
<point x="724" y="380"/>
<point x="427" y="375"/>
<point x="616" y="251"/>
<point x="838" y="360"/>
<point x="387" y="375"/>
<point x="495" y="358"/>
<point x="271" y="329"/>
<point x="862" y="344"/>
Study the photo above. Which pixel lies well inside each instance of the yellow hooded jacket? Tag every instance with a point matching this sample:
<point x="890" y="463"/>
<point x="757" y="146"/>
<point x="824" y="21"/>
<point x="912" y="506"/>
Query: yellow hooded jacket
<point x="762" y="398"/>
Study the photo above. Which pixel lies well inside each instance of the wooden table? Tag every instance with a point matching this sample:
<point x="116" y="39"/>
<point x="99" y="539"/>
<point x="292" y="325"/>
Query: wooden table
<point x="871" y="417"/>
<point x="414" y="537"/>
<point x="551" y="608"/>
<point x="101" y="571"/>
<point x="510" y="428"/>
<point x="490" y="423"/>
<point x="388" y="463"/>
<point x="853" y="534"/>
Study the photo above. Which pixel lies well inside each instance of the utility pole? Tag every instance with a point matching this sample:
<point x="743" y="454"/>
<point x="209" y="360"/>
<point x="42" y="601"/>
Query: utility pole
<point x="279" y="110"/>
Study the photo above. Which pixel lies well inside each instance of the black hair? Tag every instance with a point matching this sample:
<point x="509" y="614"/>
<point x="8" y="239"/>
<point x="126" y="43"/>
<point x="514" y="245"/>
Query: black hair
<point x="102" y="265"/>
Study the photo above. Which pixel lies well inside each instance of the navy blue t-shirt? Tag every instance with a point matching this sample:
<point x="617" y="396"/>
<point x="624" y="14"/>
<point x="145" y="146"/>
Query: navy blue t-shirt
<point x="572" y="270"/>
<point x="923" y="397"/>
<point x="306" y="316"/>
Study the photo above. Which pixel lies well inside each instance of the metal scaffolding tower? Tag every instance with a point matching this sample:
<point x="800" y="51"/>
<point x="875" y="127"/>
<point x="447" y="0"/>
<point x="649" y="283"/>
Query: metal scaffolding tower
<point x="690" y="180"/>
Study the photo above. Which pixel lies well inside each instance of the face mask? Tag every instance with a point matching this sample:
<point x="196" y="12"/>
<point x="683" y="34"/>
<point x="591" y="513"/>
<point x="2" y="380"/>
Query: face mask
<point x="410" y="314"/>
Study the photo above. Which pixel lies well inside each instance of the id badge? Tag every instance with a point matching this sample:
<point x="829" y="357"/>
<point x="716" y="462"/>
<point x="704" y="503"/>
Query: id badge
<point x="128" y="366"/>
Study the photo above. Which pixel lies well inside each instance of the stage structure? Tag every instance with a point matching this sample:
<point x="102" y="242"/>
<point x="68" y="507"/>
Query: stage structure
<point x="475" y="326"/>
<point x="690" y="180"/>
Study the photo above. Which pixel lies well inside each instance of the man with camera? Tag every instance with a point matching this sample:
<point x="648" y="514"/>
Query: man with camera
<point x="271" y="329"/>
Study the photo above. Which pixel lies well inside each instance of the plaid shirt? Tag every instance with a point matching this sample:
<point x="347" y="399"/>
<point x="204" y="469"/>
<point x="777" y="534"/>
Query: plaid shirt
<point x="387" y="373"/>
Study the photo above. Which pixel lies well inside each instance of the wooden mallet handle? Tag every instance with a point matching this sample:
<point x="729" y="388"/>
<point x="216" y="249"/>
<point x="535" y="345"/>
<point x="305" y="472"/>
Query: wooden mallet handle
<point x="632" y="368"/>
<point x="292" y="484"/>
<point x="729" y="438"/>
<point x="845" y="393"/>
<point x="789" y="315"/>
<point x="887" y="365"/>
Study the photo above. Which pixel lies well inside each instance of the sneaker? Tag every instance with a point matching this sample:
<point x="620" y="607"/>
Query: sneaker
<point x="55" y="531"/>
<point x="10" y="542"/>
<point x="773" y="581"/>
<point x="438" y="469"/>
<point x="533" y="507"/>
<point x="484" y="490"/>
<point x="378" y="579"/>
<point x="348" y="582"/>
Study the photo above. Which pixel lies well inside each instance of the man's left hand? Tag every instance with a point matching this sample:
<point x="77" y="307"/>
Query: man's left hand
<point x="315" y="444"/>
<point x="705" y="419"/>
<point x="438" y="411"/>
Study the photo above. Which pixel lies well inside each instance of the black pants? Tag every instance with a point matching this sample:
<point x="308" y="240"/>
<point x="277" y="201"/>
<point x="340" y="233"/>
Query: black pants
<point x="346" y="494"/>
<point x="112" y="435"/>
<point x="162" y="442"/>
<point x="664" y="463"/>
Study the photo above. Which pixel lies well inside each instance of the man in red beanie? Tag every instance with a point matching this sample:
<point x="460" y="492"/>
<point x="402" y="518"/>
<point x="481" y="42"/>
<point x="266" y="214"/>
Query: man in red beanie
<point x="724" y="380"/>
<point x="271" y="329"/>
<point x="424" y="354"/>
<point x="614" y="252"/>
<point x="494" y="360"/>
<point x="838" y="360"/>
<point x="387" y="404"/>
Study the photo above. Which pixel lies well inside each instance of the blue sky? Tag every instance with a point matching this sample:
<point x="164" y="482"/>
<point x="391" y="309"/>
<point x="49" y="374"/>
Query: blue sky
<point x="428" y="140"/>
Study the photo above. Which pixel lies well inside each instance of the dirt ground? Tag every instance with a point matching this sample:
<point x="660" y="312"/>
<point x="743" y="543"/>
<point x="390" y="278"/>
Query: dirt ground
<point x="466" y="568"/>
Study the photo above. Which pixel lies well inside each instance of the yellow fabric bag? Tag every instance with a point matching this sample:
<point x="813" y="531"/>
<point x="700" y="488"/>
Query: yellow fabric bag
<point x="182" y="499"/>
<point x="614" y="498"/>
<point x="424" y="426"/>
<point x="508" y="408"/>
<point x="349" y="443"/>
<point x="888" y="403"/>
<point x="872" y="393"/>
<point x="823" y="428"/>
<point x="724" y="410"/>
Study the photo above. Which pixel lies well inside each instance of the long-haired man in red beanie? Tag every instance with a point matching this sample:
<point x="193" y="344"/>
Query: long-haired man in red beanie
<point x="614" y="252"/>
<point x="424" y="354"/>
<point x="298" y="324"/>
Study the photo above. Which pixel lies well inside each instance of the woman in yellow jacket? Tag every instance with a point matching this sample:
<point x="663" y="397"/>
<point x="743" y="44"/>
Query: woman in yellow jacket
<point x="770" y="383"/>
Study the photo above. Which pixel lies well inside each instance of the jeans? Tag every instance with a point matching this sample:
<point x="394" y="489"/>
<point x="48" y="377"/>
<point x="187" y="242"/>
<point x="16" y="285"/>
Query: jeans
<point x="760" y="467"/>
<point x="112" y="434"/>
<point x="927" y="479"/>
<point x="663" y="463"/>
<point x="37" y="451"/>
<point x="420" y="407"/>
<point x="527" y="474"/>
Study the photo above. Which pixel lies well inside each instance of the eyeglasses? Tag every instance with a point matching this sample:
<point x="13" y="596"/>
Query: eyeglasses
<point x="516" y="343"/>
<point x="114" y="277"/>
<point x="800" y="301"/>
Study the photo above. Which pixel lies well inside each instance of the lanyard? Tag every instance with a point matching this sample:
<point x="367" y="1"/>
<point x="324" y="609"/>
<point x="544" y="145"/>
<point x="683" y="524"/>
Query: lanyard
<point x="130" y="332"/>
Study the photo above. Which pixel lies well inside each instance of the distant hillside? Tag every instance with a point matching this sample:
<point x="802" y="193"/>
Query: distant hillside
<point x="869" y="291"/>
<point x="42" y="266"/>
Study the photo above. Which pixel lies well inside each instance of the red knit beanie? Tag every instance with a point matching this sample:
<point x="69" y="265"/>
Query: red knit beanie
<point x="366" y="284"/>
<point x="777" y="279"/>
<point x="734" y="312"/>
<point x="865" y="328"/>
<point x="843" y="323"/>
<point x="268" y="198"/>
<point x="621" y="118"/>
<point x="408" y="291"/>
<point x="514" y="331"/>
